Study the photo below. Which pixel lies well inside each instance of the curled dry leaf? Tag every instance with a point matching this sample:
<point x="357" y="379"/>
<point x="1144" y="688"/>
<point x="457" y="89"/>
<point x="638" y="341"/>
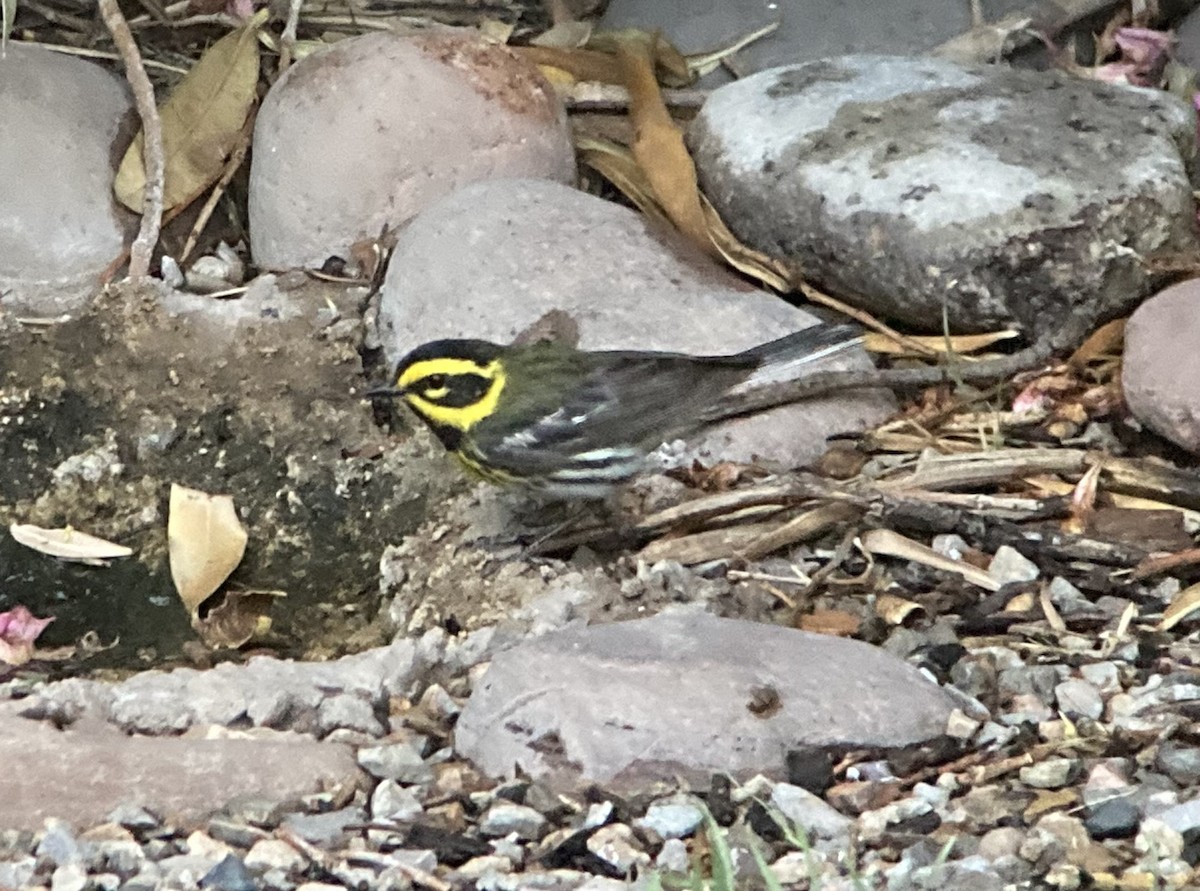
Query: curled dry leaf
<point x="959" y="343"/>
<point x="896" y="610"/>
<point x="834" y="622"/>
<point x="239" y="617"/>
<point x="19" y="628"/>
<point x="202" y="121"/>
<point x="1103" y="343"/>
<point x="892" y="544"/>
<point x="1185" y="604"/>
<point x="205" y="542"/>
<point x="67" y="544"/>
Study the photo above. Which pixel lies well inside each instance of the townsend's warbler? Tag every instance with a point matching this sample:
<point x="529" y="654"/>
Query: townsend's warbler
<point x="576" y="424"/>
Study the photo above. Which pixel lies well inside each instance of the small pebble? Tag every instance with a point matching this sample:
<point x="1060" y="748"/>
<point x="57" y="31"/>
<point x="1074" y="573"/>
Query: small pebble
<point x="1180" y="762"/>
<point x="396" y="761"/>
<point x="1105" y="676"/>
<point x="69" y="877"/>
<point x="229" y="875"/>
<point x="1115" y="818"/>
<point x="392" y="802"/>
<point x="673" y="856"/>
<point x="1077" y="698"/>
<point x="1010" y="565"/>
<point x="616" y="845"/>
<point x="1003" y="841"/>
<point x="275" y="854"/>
<point x="1052" y="773"/>
<point x="504" y="818"/>
<point x="671" y="819"/>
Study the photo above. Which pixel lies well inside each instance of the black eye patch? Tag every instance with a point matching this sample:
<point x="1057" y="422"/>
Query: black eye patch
<point x="456" y="390"/>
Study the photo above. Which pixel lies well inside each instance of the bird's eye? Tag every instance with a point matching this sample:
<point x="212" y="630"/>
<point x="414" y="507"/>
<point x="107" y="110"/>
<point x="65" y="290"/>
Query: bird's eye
<point x="435" y="382"/>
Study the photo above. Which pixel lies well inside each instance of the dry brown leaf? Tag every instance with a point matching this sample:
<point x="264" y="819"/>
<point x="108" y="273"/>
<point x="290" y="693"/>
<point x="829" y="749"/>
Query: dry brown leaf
<point x="895" y="610"/>
<point x="771" y="272"/>
<point x="201" y="121"/>
<point x="616" y="164"/>
<point x="1021" y="603"/>
<point x="834" y="622"/>
<point x="1185" y="604"/>
<point x="67" y="544"/>
<point x="892" y="544"/>
<point x="565" y="35"/>
<point x="1104" y="342"/>
<point x="958" y="343"/>
<point x="581" y="64"/>
<point x="240" y="617"/>
<point x="658" y="142"/>
<point x="671" y="67"/>
<point x="1083" y="501"/>
<point x="1050" y="611"/>
<point x="205" y="543"/>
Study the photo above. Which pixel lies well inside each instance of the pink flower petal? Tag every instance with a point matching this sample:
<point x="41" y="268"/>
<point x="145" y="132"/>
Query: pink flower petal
<point x="19" y="628"/>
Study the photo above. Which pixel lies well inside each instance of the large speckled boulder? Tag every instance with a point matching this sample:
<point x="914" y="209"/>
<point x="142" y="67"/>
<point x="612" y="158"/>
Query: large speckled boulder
<point x="917" y="185"/>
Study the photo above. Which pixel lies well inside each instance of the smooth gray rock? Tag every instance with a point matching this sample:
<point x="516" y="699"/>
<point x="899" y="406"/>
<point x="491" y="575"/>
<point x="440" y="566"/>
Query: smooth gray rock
<point x="399" y="761"/>
<point x="917" y="185"/>
<point x="370" y="130"/>
<point x="60" y="118"/>
<point x="1078" y="698"/>
<point x="633" y="702"/>
<point x="1161" y="362"/>
<point x="81" y="773"/>
<point x="538" y="246"/>
<point x="505" y="817"/>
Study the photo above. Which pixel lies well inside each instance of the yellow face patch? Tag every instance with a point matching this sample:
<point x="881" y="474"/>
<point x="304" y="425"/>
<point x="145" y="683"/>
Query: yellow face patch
<point x="429" y="387"/>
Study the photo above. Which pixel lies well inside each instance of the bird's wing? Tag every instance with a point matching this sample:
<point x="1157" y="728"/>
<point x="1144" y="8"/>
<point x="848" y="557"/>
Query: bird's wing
<point x="609" y="417"/>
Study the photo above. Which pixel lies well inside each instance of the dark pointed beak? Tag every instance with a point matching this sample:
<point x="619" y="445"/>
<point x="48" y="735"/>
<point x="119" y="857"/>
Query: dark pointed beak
<point x="384" y="393"/>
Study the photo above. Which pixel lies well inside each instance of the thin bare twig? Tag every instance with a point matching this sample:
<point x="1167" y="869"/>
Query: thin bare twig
<point x="287" y="40"/>
<point x="231" y="167"/>
<point x="142" y="250"/>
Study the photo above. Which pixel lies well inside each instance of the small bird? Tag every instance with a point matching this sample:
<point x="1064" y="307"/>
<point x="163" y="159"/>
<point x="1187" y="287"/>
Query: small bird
<point x="572" y="424"/>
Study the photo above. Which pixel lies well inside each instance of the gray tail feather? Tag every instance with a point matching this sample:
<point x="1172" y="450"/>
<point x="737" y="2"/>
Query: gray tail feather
<point x="784" y="359"/>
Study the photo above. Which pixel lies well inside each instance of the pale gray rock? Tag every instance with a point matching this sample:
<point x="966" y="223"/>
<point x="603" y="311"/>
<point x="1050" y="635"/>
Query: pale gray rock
<point x="1077" y="698"/>
<point x="53" y="773"/>
<point x="810" y="812"/>
<point x="271" y="853"/>
<point x="59" y="225"/>
<point x="1003" y="197"/>
<point x="346" y="711"/>
<point x="671" y="818"/>
<point x="1052" y="773"/>
<point x="1003" y="841"/>
<point x="673" y="856"/>
<point x="1161" y="360"/>
<point x="506" y="817"/>
<point x="538" y="246"/>
<point x="617" y="846"/>
<point x="367" y="132"/>
<point x="391" y="801"/>
<point x="399" y="761"/>
<point x="628" y="703"/>
<point x="69" y="877"/>
<point x="1010" y="565"/>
